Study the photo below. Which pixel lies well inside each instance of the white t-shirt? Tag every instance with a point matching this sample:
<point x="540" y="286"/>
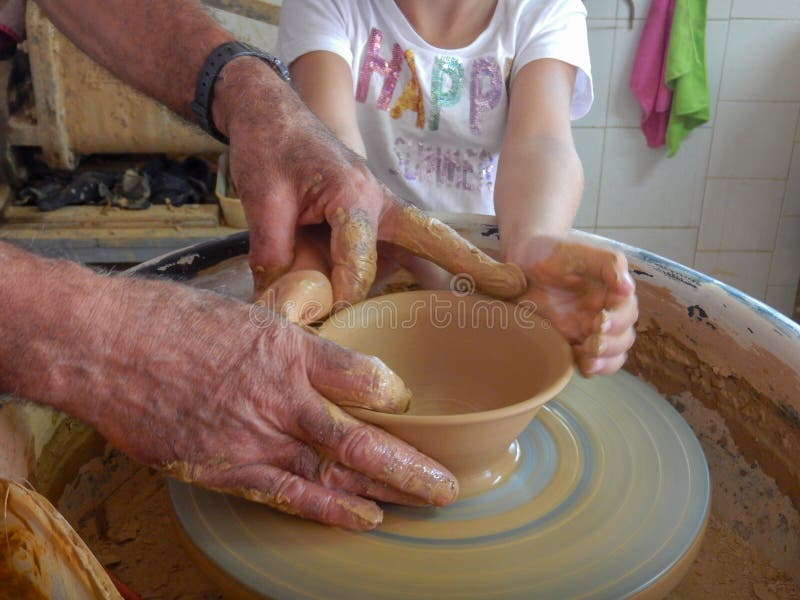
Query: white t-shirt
<point x="433" y="119"/>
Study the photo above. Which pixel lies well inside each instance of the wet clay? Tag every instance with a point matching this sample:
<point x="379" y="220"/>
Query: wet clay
<point x="300" y="296"/>
<point x="565" y="526"/>
<point x="748" y="551"/>
<point x="478" y="375"/>
<point x="764" y="421"/>
<point x="752" y="545"/>
<point x="122" y="510"/>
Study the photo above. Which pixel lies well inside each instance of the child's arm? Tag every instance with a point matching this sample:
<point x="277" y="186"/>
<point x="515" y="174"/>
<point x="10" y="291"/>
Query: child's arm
<point x="585" y="291"/>
<point x="326" y="85"/>
<point x="539" y="175"/>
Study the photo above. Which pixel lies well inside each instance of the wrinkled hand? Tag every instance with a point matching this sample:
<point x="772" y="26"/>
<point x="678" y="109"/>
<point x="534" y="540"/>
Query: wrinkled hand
<point x="211" y="390"/>
<point x="245" y="403"/>
<point x="290" y="171"/>
<point x="588" y="295"/>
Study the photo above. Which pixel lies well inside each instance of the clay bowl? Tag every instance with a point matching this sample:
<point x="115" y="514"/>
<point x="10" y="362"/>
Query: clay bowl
<point x="479" y="370"/>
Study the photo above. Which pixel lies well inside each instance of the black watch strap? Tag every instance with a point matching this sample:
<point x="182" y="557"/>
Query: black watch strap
<point x="219" y="57"/>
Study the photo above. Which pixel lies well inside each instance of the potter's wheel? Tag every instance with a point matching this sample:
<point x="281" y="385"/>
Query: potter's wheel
<point x="610" y="501"/>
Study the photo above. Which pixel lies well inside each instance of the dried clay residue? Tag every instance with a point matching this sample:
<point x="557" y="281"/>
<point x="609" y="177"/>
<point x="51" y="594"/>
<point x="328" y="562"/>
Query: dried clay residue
<point x="122" y="511"/>
<point x="13" y="584"/>
<point x="752" y="546"/>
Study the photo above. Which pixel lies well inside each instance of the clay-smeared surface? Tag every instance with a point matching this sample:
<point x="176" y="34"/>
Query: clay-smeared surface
<point x="750" y="549"/>
<point x="747" y="384"/>
<point x="121" y="509"/>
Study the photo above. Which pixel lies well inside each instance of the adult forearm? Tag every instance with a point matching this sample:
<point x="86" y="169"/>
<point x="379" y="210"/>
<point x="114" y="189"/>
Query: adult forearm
<point x="45" y="310"/>
<point x="538" y="189"/>
<point x="158" y="46"/>
<point x="105" y="348"/>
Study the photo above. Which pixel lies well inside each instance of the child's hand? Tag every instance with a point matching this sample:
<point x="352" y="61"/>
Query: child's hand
<point x="588" y="295"/>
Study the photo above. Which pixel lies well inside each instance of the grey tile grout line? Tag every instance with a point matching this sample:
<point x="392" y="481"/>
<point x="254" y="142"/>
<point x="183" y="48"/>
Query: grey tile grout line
<point x="713" y="119"/>
<point x="783" y="203"/>
<point x="605" y="127"/>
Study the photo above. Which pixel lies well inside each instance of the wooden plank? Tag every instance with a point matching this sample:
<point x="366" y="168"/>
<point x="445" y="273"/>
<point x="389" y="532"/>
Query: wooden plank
<point x="101" y="246"/>
<point x="23" y="132"/>
<point x="5" y="194"/>
<point x="111" y="237"/>
<point x="83" y="217"/>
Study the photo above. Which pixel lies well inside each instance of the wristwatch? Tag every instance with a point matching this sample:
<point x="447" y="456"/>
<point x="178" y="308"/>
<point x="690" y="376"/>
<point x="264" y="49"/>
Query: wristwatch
<point x="219" y="57"/>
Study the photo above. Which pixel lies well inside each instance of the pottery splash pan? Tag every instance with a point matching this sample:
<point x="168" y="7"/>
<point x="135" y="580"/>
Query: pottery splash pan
<point x="480" y="369"/>
<point x="729" y="364"/>
<point x="605" y="494"/>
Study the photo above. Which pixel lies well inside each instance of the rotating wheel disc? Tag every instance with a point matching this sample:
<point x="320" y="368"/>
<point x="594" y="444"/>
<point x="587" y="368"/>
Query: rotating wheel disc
<point x="610" y="501"/>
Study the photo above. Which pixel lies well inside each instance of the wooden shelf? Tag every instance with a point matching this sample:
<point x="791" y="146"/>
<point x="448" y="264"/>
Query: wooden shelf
<point x="92" y="217"/>
<point x="108" y="246"/>
<point x="105" y="235"/>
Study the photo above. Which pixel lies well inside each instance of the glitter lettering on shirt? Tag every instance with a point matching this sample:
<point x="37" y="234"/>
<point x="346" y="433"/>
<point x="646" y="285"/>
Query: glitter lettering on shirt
<point x="411" y="98"/>
<point x="374" y="63"/>
<point x="447" y="85"/>
<point x="463" y="169"/>
<point x="486" y="90"/>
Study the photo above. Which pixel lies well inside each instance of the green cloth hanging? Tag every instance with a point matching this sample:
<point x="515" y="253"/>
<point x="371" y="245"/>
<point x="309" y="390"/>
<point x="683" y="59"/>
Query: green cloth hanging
<point x="685" y="72"/>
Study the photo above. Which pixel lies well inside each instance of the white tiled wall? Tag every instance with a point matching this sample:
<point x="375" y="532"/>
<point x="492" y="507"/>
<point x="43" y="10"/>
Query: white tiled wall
<point x="729" y="202"/>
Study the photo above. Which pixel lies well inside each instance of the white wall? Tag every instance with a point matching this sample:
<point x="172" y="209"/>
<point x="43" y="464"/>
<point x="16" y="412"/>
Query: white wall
<point x="729" y="202"/>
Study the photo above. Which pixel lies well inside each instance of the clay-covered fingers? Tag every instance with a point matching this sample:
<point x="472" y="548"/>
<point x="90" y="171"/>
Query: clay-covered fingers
<point x="304" y="294"/>
<point x="429" y="238"/>
<point x="604" y="350"/>
<point x="354" y="253"/>
<point x="348" y="378"/>
<point x="602" y="366"/>
<point x="336" y="476"/>
<point x="370" y="451"/>
<point x="297" y="495"/>
<point x="614" y="269"/>
<point x="603" y="353"/>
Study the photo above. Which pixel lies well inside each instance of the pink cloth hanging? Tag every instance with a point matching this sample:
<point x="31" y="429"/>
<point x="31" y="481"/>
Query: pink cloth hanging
<point x="647" y="78"/>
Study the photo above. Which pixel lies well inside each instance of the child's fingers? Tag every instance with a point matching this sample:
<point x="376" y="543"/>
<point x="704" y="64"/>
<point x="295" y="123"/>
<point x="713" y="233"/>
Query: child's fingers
<point x="605" y="345"/>
<point x="601" y="366"/>
<point x="616" y="276"/>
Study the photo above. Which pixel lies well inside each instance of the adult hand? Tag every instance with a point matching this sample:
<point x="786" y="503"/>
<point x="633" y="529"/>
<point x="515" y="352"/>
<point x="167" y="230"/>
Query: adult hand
<point x="262" y="421"/>
<point x="211" y="391"/>
<point x="588" y="295"/>
<point x="290" y="170"/>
